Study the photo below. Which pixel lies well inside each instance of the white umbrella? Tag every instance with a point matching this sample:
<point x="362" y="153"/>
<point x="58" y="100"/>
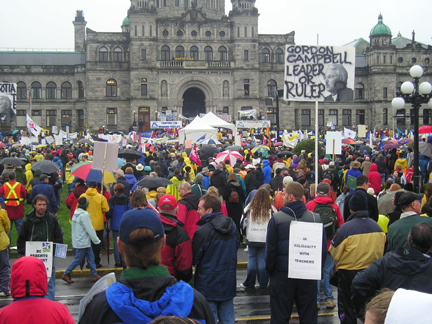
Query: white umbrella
<point x="232" y="156"/>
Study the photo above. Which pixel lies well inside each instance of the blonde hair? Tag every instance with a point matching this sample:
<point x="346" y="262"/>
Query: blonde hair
<point x="160" y="192"/>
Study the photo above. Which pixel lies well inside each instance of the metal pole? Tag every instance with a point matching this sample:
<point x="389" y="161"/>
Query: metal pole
<point x="416" y="106"/>
<point x="316" y="145"/>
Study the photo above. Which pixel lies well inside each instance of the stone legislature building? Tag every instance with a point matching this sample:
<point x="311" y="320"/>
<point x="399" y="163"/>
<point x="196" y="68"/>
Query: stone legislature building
<point x="175" y="58"/>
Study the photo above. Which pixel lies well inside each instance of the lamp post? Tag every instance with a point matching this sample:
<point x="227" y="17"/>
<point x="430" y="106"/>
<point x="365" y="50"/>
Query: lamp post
<point x="134" y="121"/>
<point x="416" y="94"/>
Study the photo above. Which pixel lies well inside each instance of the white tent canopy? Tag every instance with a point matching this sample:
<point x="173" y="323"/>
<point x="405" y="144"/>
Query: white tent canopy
<point x="196" y="130"/>
<point x="213" y="120"/>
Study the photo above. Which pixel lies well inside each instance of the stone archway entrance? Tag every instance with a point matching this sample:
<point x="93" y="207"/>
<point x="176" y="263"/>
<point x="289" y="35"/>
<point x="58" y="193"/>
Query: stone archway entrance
<point x="193" y="102"/>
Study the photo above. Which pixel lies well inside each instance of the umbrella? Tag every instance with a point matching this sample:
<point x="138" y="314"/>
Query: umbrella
<point x="40" y="146"/>
<point x="129" y="154"/>
<point x="425" y="129"/>
<point x="385" y="203"/>
<point x="425" y="149"/>
<point x="390" y="146"/>
<point x="78" y="165"/>
<point x="359" y="142"/>
<point x="286" y="153"/>
<point x="233" y="147"/>
<point x="46" y="166"/>
<point x="391" y="142"/>
<point x="120" y="162"/>
<point x="232" y="156"/>
<point x="153" y="182"/>
<point x="365" y="148"/>
<point x="210" y="141"/>
<point x="348" y="141"/>
<point x="85" y="172"/>
<point x="260" y="148"/>
<point x="406" y="141"/>
<point x="208" y="150"/>
<point x="85" y="141"/>
<point x="12" y="161"/>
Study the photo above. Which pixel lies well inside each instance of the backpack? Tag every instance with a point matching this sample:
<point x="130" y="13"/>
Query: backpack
<point x="234" y="197"/>
<point x="328" y="217"/>
<point x="329" y="174"/>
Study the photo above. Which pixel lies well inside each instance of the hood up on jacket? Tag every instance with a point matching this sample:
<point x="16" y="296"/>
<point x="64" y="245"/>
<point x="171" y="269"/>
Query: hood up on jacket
<point x="177" y="300"/>
<point x="265" y="163"/>
<point x="223" y="225"/>
<point x="373" y="167"/>
<point x="28" y="278"/>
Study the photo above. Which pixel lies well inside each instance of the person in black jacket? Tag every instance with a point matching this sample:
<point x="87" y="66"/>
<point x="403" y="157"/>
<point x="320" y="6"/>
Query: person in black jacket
<point x="362" y="185"/>
<point x="218" y="179"/>
<point x="250" y="179"/>
<point x="234" y="206"/>
<point x="408" y="268"/>
<point x="276" y="183"/>
<point x="142" y="239"/>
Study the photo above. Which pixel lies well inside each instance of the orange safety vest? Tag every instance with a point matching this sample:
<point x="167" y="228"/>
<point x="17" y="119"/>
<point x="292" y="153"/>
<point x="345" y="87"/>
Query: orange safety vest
<point x="15" y="201"/>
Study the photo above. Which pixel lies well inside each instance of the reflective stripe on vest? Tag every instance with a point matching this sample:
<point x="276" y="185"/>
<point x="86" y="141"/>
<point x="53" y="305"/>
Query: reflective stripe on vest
<point x="14" y="201"/>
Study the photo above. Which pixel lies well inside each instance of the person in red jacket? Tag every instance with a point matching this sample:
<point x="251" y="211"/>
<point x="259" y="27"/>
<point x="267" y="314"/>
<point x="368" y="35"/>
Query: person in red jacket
<point x="72" y="199"/>
<point x="188" y="208"/>
<point x="323" y="199"/>
<point x="29" y="284"/>
<point x="177" y="255"/>
<point x="374" y="179"/>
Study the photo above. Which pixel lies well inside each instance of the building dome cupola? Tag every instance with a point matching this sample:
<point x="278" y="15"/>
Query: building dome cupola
<point x="380" y="29"/>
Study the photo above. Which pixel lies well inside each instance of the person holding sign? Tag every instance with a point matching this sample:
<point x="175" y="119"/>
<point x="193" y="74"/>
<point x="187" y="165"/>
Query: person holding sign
<point x="42" y="226"/>
<point x="352" y="254"/>
<point x="285" y="290"/>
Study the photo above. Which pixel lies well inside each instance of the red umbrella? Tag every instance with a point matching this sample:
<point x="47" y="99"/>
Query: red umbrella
<point x="348" y="141"/>
<point x="390" y="146"/>
<point x="232" y="156"/>
<point x="391" y="142"/>
<point x="425" y="129"/>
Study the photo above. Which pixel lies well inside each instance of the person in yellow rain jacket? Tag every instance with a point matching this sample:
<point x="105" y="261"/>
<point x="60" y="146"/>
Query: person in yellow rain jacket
<point x="172" y="189"/>
<point x="96" y="207"/>
<point x="4" y="253"/>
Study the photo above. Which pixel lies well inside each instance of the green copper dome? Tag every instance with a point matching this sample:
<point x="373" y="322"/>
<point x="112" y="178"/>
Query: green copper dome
<point x="125" y="22"/>
<point x="380" y="29"/>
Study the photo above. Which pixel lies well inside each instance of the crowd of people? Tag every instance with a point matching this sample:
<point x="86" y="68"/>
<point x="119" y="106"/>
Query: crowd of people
<point x="177" y="240"/>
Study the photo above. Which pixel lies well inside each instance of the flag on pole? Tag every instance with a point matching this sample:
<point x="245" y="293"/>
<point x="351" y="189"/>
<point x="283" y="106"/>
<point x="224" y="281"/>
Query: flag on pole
<point x="34" y="128"/>
<point x="194" y="156"/>
<point x="349" y="133"/>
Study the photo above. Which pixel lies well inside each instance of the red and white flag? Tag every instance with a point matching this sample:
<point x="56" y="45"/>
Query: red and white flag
<point x="34" y="128"/>
<point x="194" y="156"/>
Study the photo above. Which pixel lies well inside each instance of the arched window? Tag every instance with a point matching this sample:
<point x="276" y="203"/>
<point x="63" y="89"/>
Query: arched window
<point x="165" y="33"/>
<point x="36" y="90"/>
<point x="194" y="54"/>
<point x="279" y="56"/>
<point x="21" y="90"/>
<point x="51" y="90"/>
<point x="179" y="51"/>
<point x="80" y="90"/>
<point x="265" y="55"/>
<point x="223" y="54"/>
<point x="103" y="54"/>
<point x="208" y="52"/>
<point x="165" y="53"/>
<point x="180" y="33"/>
<point x="271" y="88"/>
<point x="359" y="91"/>
<point x="117" y="54"/>
<point x="66" y="90"/>
<point x="111" y="88"/>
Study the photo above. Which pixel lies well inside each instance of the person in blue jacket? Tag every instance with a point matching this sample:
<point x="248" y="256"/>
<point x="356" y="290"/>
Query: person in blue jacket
<point x="214" y="248"/>
<point x="44" y="188"/>
<point x="118" y="205"/>
<point x="267" y="171"/>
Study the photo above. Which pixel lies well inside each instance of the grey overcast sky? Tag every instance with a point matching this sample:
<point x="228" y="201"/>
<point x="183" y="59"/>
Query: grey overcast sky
<point x="47" y="24"/>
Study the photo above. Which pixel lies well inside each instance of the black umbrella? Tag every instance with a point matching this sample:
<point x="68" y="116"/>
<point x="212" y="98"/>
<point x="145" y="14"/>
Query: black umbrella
<point x="286" y="153"/>
<point x="208" y="149"/>
<point x="46" y="167"/>
<point x="12" y="161"/>
<point x="153" y="182"/>
<point x="233" y="147"/>
<point x="129" y="154"/>
<point x="365" y="148"/>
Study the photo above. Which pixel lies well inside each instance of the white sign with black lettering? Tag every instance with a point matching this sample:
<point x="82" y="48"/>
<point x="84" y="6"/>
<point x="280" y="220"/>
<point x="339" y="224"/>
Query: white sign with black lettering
<point x="305" y="249"/>
<point x="42" y="251"/>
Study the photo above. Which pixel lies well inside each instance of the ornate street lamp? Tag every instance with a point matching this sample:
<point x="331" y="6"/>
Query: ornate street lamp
<point x="416" y="94"/>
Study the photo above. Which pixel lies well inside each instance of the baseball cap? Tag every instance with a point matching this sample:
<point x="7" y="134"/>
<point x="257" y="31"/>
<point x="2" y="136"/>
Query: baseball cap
<point x="167" y="200"/>
<point x="408" y="198"/>
<point x="44" y="176"/>
<point x="287" y="180"/>
<point x="323" y="188"/>
<point x="141" y="218"/>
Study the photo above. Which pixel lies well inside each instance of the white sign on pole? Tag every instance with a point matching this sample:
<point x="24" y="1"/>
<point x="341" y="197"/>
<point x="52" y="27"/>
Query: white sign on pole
<point x="361" y="130"/>
<point x="319" y="73"/>
<point x="305" y="249"/>
<point x="105" y="156"/>
<point x="333" y="143"/>
<point x="237" y="140"/>
<point x="165" y="124"/>
<point x="42" y="251"/>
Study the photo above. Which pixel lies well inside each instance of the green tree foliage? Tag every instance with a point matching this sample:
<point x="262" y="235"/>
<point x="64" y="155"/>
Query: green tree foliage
<point x="307" y="145"/>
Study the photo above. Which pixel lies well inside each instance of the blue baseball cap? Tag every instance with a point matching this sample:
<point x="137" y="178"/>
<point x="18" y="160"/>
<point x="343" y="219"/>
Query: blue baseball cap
<point x="141" y="218"/>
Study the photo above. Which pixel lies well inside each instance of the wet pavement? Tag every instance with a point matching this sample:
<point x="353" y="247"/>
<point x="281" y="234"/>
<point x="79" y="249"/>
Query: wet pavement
<point x="250" y="305"/>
